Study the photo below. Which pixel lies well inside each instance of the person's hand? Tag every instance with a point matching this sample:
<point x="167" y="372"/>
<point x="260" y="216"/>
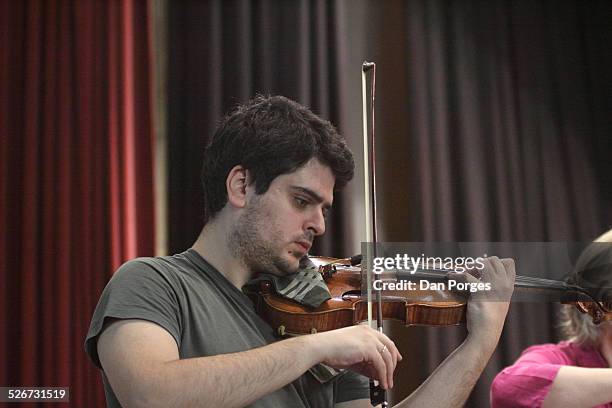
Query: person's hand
<point x="487" y="309"/>
<point x="360" y="349"/>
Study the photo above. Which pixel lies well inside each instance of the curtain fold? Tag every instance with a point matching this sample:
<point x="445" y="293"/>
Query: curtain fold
<point x="504" y="138"/>
<point x="492" y="121"/>
<point x="224" y="53"/>
<point x="76" y="178"/>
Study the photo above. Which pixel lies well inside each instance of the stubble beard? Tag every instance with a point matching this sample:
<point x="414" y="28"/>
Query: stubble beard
<point x="246" y="243"/>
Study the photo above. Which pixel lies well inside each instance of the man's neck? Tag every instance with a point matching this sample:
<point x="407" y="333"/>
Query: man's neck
<point x="212" y="246"/>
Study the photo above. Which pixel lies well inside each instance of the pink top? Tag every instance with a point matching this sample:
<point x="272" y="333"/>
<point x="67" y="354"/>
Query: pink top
<point x="527" y="382"/>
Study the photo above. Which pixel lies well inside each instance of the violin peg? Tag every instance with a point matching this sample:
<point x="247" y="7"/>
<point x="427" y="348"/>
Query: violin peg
<point x="597" y="316"/>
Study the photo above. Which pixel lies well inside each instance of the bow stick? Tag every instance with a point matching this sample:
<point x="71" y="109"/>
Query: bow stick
<point x="368" y="83"/>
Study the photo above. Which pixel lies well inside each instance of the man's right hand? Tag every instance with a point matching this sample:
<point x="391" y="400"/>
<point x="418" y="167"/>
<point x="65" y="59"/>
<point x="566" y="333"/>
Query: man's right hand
<point x="360" y="349"/>
<point x="141" y="361"/>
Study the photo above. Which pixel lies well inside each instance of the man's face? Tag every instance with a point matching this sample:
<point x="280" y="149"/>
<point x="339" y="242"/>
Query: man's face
<point x="277" y="228"/>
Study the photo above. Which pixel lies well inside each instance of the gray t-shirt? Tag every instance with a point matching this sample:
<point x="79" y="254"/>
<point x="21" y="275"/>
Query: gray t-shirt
<point x="207" y="316"/>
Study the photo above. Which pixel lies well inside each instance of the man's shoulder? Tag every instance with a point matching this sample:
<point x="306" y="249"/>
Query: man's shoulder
<point x="168" y="267"/>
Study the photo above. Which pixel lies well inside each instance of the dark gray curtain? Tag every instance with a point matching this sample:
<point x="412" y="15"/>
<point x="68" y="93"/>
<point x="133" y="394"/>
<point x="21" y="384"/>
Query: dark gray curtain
<point x="497" y="120"/>
<point x="222" y="53"/>
<point x="493" y="124"/>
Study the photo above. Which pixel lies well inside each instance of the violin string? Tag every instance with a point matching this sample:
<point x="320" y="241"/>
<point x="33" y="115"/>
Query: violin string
<point x="521" y="282"/>
<point x="524" y="281"/>
<point x="529" y="283"/>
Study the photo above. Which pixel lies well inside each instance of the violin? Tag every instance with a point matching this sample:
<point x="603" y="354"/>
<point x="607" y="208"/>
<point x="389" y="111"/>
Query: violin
<point x="348" y="306"/>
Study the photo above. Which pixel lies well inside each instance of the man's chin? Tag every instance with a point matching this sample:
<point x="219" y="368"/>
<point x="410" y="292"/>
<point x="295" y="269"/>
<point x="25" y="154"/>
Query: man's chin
<point x="283" y="266"/>
<point x="291" y="269"/>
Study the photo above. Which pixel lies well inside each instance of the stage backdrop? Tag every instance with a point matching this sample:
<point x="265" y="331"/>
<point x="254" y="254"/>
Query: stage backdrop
<point x="493" y="125"/>
<point x="75" y="179"/>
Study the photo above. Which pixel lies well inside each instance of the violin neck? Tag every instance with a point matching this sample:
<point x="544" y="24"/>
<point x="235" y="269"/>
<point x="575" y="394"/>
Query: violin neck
<point x="549" y="285"/>
<point x="526" y="284"/>
<point x="566" y="291"/>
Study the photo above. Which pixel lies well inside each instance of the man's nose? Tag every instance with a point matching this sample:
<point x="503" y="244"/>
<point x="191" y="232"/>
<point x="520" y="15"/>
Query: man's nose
<point x="316" y="222"/>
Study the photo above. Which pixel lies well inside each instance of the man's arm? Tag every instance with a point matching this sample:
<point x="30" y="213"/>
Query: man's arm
<point x="580" y="387"/>
<point x="142" y="364"/>
<point x="451" y="383"/>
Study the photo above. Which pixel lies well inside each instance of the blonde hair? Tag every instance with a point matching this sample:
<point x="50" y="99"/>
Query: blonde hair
<point x="578" y="327"/>
<point x="593" y="269"/>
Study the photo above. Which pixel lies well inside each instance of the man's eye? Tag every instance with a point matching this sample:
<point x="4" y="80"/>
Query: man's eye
<point x="300" y="202"/>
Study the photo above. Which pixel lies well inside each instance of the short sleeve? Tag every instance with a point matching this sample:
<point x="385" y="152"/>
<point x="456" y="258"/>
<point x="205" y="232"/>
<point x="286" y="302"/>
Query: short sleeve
<point x="138" y="290"/>
<point x="527" y="382"/>
<point x="351" y="386"/>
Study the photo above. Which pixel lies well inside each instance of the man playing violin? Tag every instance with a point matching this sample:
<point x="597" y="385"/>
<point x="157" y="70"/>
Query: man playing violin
<point x="576" y="372"/>
<point x="178" y="331"/>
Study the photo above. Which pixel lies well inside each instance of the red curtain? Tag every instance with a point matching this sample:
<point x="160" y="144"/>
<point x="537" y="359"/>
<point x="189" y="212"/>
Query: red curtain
<point x="76" y="178"/>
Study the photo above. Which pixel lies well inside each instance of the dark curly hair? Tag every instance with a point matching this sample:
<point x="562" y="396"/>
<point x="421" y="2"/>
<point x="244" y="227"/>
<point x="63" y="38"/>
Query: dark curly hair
<point x="270" y="136"/>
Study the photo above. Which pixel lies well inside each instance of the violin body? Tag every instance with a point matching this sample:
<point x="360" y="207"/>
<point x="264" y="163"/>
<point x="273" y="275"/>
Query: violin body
<point x="348" y="306"/>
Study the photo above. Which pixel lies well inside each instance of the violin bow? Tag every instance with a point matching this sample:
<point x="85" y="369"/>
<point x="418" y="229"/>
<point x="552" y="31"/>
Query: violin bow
<point x="368" y="86"/>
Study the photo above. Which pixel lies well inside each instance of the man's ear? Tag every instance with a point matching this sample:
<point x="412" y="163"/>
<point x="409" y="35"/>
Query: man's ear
<point x="236" y="185"/>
